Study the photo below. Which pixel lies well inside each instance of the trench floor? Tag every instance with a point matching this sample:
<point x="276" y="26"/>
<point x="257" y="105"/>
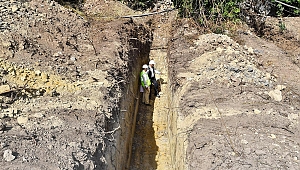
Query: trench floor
<point x="151" y="149"/>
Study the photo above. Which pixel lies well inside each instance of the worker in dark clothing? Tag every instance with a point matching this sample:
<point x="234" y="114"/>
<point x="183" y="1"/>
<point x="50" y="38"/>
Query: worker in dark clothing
<point x="151" y="73"/>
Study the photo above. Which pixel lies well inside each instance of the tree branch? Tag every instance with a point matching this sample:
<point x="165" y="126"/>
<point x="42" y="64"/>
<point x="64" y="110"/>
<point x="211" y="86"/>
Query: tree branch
<point x="286" y="4"/>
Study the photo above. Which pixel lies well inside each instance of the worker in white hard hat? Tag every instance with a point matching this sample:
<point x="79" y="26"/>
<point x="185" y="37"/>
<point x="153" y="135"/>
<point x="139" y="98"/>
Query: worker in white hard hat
<point x="151" y="73"/>
<point x="145" y="81"/>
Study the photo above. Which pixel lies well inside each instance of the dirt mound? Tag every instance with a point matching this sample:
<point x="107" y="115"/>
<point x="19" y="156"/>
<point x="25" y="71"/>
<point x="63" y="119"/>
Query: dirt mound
<point x="238" y="104"/>
<point x="61" y="85"/>
<point x="99" y="9"/>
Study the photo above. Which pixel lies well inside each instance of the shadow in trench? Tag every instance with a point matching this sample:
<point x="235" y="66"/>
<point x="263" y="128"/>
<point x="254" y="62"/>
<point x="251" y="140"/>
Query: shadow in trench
<point x="144" y="148"/>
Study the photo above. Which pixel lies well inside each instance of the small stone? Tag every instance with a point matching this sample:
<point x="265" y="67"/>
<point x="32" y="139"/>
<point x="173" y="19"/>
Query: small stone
<point x="211" y="68"/>
<point x="250" y="69"/>
<point x="73" y="58"/>
<point x="22" y="119"/>
<point x="38" y="115"/>
<point x="280" y="87"/>
<point x="268" y="76"/>
<point x="44" y="77"/>
<point x="57" y="54"/>
<point x="243" y="141"/>
<point x="256" y="111"/>
<point x="50" y="147"/>
<point x="260" y="152"/>
<point x="250" y="50"/>
<point x="4" y="89"/>
<point x="295" y="158"/>
<point x="293" y="116"/>
<point x="38" y="73"/>
<point x="275" y="95"/>
<point x="8" y="156"/>
<point x="24" y="159"/>
<point x="14" y="8"/>
<point x="272" y="136"/>
<point x="219" y="49"/>
<point x="23" y="78"/>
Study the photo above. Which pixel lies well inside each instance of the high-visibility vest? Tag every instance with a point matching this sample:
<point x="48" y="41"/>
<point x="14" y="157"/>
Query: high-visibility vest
<point x="147" y="80"/>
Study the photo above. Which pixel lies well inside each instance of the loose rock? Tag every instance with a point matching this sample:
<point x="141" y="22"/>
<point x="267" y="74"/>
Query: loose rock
<point x="275" y="95"/>
<point x="8" y="156"/>
<point x="4" y="89"/>
<point x="22" y="119"/>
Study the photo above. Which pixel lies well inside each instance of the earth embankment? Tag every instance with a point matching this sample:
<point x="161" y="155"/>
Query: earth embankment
<point x="68" y="87"/>
<point x="237" y="103"/>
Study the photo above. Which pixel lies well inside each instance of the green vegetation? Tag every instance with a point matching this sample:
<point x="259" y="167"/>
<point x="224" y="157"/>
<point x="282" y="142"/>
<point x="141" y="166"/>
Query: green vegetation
<point x="214" y="10"/>
<point x="75" y="4"/>
<point x="229" y="10"/>
<point x="281" y="26"/>
<point x="139" y="4"/>
<point x="286" y="7"/>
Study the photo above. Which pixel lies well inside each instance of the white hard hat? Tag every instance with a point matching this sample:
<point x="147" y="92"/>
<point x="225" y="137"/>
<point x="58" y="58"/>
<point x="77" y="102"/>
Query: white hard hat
<point x="145" y="66"/>
<point x="151" y="62"/>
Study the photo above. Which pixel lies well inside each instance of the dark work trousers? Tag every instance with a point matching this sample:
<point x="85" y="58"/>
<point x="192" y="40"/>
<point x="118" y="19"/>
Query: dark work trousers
<point x="154" y="82"/>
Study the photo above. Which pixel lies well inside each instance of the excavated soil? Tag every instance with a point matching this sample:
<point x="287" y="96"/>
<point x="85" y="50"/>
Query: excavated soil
<point x="237" y="104"/>
<point x="67" y="86"/>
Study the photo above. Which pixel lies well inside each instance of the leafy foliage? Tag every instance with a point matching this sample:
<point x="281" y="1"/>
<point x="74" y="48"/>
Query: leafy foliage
<point x="76" y="4"/>
<point x="285" y="7"/>
<point x="220" y="10"/>
<point x="213" y="10"/>
<point x="139" y="4"/>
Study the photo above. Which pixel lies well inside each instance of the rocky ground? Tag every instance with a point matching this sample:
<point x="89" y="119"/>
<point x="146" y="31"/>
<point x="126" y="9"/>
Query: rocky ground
<point x="63" y="75"/>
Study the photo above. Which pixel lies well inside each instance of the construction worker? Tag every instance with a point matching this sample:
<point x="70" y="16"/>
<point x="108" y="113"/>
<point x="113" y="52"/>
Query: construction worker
<point x="145" y="81"/>
<point x="151" y="74"/>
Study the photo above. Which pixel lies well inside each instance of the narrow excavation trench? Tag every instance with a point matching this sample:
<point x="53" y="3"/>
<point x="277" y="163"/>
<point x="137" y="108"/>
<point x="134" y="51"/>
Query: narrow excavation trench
<point x="152" y="142"/>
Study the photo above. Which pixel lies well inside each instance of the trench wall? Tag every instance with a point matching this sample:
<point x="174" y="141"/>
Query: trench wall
<point x="177" y="138"/>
